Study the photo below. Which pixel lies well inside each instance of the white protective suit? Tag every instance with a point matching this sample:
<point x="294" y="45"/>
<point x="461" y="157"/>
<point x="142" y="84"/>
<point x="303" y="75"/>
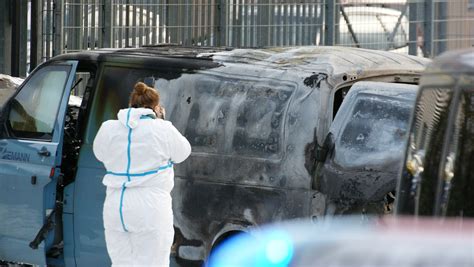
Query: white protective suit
<point x="138" y="152"/>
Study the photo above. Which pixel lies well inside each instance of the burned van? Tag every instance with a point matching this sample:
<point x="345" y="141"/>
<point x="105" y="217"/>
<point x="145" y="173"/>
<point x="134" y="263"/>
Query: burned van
<point x="437" y="178"/>
<point x="260" y="123"/>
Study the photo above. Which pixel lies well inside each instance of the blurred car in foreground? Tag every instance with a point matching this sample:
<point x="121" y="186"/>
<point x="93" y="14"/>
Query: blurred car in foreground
<point x="352" y="242"/>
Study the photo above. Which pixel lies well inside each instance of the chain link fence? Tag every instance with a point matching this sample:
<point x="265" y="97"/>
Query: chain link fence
<point x="417" y="27"/>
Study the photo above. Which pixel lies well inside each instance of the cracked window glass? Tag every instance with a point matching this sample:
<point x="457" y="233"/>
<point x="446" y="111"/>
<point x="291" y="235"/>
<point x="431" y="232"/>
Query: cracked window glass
<point x="376" y="128"/>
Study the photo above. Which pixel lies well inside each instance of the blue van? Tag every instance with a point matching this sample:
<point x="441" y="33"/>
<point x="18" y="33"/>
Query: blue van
<point x="259" y="122"/>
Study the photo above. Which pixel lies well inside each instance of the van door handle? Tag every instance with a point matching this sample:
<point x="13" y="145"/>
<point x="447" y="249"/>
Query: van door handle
<point x="44" y="152"/>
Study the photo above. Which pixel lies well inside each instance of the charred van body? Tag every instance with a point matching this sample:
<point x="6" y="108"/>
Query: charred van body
<point x="260" y="123"/>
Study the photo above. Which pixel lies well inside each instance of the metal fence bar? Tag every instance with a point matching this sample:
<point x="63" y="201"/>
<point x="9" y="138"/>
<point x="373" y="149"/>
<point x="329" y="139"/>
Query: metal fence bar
<point x="128" y="9"/>
<point x="330" y="10"/>
<point x="300" y="20"/>
<point x="428" y="29"/>
<point x="107" y="22"/>
<point x="36" y="34"/>
<point x="349" y="27"/>
<point x="183" y="21"/>
<point x="208" y="23"/>
<point x="251" y="23"/>
<point x="5" y="32"/>
<point x="171" y="21"/>
<point x="58" y="8"/>
<point x="138" y="16"/>
<point x="81" y="21"/>
<point x="85" y="21"/>
<point x="47" y="32"/>
<point x="93" y="26"/>
<point x="293" y="22"/>
<point x="222" y="12"/>
<point x="240" y="23"/>
<point x="245" y="26"/>
<point x="442" y="9"/>
<point x="285" y="24"/>
<point x="162" y="17"/>
<point x="201" y="22"/>
<point x="230" y="23"/>
<point x="278" y="22"/>
<point x="132" y="13"/>
<point x="412" y="32"/>
<point x="19" y="40"/>
<point x="100" y="24"/>
<point x="407" y="26"/>
<point x="312" y="27"/>
<point x="141" y="27"/>
<point x="248" y="23"/>
<point x="260" y="29"/>
<point x="305" y="27"/>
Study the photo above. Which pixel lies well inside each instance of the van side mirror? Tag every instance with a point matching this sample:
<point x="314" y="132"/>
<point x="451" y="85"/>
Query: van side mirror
<point x="321" y="154"/>
<point x="322" y="151"/>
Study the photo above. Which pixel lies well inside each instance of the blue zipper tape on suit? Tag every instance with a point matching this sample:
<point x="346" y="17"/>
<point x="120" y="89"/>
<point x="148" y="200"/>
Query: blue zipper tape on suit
<point x="121" y="205"/>
<point x="128" y="170"/>
<point x="129" y="157"/>
<point x="169" y="165"/>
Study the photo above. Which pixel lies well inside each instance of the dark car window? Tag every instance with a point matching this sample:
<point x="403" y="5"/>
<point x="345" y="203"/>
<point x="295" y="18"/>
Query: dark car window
<point x="419" y="180"/>
<point x="457" y="186"/>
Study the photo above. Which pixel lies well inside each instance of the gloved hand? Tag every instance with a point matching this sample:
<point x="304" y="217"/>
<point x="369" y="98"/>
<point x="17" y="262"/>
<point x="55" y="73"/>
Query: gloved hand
<point x="160" y="112"/>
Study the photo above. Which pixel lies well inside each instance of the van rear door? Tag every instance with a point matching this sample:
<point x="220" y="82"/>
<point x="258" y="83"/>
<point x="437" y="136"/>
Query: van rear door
<point x="30" y="156"/>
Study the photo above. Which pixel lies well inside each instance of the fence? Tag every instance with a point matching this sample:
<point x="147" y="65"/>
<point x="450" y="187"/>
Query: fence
<point x="417" y="27"/>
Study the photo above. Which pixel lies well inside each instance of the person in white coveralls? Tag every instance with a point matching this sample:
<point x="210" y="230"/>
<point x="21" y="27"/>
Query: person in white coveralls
<point x="138" y="151"/>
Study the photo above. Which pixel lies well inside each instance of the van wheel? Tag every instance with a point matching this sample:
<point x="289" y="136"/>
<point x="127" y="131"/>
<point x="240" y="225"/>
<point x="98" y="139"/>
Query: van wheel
<point x="220" y="241"/>
<point x="389" y="203"/>
<point x="386" y="206"/>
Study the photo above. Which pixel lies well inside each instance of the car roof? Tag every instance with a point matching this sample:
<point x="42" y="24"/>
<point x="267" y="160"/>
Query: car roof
<point x="354" y="62"/>
<point x="460" y="61"/>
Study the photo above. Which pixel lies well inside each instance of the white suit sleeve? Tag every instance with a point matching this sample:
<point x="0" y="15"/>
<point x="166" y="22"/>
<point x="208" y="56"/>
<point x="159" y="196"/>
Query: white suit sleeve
<point x="100" y="143"/>
<point x="179" y="146"/>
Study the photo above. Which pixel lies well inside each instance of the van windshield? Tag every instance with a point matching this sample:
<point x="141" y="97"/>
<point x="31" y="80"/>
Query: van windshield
<point x="376" y="128"/>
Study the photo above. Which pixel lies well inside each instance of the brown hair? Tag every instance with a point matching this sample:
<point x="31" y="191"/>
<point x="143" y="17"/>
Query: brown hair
<point x="144" y="96"/>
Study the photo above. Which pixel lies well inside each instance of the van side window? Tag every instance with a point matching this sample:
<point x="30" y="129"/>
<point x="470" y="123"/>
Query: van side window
<point x="224" y="115"/>
<point x="339" y="96"/>
<point x="258" y="130"/>
<point x="236" y="116"/>
<point x="376" y="127"/>
<point x="208" y="115"/>
<point x="34" y="109"/>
